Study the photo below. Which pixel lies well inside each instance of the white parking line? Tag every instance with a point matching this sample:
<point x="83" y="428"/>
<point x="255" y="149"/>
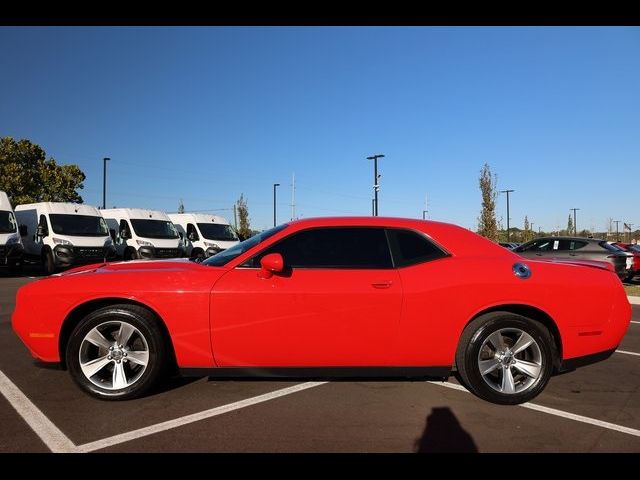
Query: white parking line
<point x="51" y="435"/>
<point x="628" y="353"/>
<point x="559" y="413"/>
<point x="633" y="321"/>
<point x="196" y="417"/>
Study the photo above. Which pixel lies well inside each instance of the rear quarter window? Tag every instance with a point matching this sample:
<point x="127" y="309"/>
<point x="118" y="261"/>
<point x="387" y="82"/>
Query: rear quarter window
<point x="410" y="248"/>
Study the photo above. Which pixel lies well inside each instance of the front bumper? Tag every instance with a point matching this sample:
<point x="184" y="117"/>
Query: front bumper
<point x="152" y="252"/>
<point x="11" y="255"/>
<point x="66" y="256"/>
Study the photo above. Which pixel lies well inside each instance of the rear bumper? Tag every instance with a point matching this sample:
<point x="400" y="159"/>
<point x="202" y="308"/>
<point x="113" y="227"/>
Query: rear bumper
<point x="573" y="363"/>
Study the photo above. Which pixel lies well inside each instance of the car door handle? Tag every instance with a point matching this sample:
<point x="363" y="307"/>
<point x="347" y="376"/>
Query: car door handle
<point x="538" y="254"/>
<point x="385" y="284"/>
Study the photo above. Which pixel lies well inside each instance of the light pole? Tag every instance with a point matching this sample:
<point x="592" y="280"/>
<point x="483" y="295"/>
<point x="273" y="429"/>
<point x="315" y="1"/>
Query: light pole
<point x="104" y="182"/>
<point x="274" y="202"/>
<point x="507" y="192"/>
<point x="617" y="234"/>
<point x="376" y="187"/>
<point x="575" y="223"/>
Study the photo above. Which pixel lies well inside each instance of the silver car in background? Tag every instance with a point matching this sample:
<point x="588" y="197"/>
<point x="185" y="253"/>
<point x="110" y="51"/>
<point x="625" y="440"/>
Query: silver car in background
<point x="578" y="248"/>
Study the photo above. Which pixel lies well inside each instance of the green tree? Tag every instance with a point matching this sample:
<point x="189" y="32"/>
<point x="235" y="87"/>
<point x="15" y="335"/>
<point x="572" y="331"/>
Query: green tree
<point x="27" y="176"/>
<point x="528" y="233"/>
<point x="244" y="229"/>
<point x="487" y="225"/>
<point x="570" y="226"/>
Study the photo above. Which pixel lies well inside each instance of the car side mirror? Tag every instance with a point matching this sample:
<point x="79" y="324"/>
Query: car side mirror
<point x="112" y="234"/>
<point x="124" y="234"/>
<point x="23" y="230"/>
<point x="193" y="236"/>
<point x="41" y="231"/>
<point x="270" y="264"/>
<point x="181" y="235"/>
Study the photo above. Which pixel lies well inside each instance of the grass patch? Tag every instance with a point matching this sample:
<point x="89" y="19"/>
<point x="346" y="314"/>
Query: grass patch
<point x="633" y="290"/>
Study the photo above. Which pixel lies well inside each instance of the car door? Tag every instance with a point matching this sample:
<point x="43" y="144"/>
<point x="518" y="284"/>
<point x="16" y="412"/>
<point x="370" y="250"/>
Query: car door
<point x="337" y="303"/>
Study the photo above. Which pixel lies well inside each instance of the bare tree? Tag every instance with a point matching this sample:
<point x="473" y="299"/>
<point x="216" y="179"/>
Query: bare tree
<point x="244" y="229"/>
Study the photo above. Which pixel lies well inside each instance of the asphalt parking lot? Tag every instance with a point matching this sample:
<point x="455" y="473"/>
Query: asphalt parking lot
<point x="593" y="409"/>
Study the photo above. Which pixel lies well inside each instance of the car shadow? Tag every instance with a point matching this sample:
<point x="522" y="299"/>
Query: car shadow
<point x="443" y="433"/>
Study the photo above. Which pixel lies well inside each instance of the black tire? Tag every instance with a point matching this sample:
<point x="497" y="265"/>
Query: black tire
<point x="15" y="268"/>
<point x="629" y="278"/>
<point x="131" y="254"/>
<point x="48" y="264"/>
<point x="197" y="254"/>
<point x="475" y="341"/>
<point x="102" y="384"/>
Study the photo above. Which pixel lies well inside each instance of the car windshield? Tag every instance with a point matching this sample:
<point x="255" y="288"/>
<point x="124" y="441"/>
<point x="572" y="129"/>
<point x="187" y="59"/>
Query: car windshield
<point x="7" y="222"/>
<point x="78" y="225"/>
<point x="634" y="248"/>
<point x="229" y="254"/>
<point x="610" y="247"/>
<point x="154" y="228"/>
<point x="217" y="231"/>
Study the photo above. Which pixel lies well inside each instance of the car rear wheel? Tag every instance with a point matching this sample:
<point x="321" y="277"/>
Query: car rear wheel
<point x="116" y="352"/>
<point x="505" y="358"/>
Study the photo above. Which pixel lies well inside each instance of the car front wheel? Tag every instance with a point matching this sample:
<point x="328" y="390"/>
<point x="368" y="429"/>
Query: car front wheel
<point x="505" y="358"/>
<point x="116" y="352"/>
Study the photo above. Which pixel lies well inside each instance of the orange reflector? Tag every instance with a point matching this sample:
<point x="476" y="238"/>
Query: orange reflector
<point x="41" y="335"/>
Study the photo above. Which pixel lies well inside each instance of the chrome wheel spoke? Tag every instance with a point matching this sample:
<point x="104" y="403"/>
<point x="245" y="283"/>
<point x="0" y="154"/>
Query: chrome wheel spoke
<point x="528" y="368"/>
<point x="124" y="334"/>
<point x="497" y="341"/>
<point x="508" y="385"/>
<point x="92" y="367"/>
<point x="96" y="338"/>
<point x="138" y="356"/>
<point x="488" y="366"/>
<point x="119" y="377"/>
<point x="522" y="343"/>
<point x="97" y="351"/>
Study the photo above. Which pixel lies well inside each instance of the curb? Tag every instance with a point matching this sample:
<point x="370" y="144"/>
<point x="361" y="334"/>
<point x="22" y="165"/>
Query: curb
<point x="633" y="300"/>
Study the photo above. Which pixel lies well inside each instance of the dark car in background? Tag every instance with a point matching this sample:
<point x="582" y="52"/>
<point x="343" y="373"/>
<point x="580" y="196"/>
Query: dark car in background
<point x="635" y="251"/>
<point x="578" y="248"/>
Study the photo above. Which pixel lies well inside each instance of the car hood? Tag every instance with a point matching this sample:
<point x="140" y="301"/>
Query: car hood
<point x="172" y="265"/>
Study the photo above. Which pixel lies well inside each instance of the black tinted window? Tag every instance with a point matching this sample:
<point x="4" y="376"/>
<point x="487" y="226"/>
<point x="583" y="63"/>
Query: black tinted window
<point x="349" y="247"/>
<point x="410" y="248"/>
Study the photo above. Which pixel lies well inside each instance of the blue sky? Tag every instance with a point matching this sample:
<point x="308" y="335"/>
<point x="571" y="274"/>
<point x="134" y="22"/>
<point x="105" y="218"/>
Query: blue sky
<point x="205" y="114"/>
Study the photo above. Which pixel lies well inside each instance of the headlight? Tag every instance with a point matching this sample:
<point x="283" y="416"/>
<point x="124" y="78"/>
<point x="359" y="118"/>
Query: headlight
<point x="212" y="245"/>
<point x="61" y="241"/>
<point x="13" y="239"/>
<point x="143" y="243"/>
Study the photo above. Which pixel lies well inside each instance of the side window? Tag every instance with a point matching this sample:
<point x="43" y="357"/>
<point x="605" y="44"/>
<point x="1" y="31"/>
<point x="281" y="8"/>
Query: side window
<point x="577" y="245"/>
<point x="539" y="246"/>
<point x="124" y="226"/>
<point x="410" y="248"/>
<point x="192" y="233"/>
<point x="347" y="247"/>
<point x="565" y="245"/>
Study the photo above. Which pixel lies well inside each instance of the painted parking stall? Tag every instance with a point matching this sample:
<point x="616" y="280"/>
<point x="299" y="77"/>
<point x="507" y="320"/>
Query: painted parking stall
<point x="585" y="410"/>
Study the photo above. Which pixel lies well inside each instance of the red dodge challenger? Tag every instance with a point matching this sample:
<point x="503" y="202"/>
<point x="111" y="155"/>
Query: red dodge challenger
<point x="330" y="297"/>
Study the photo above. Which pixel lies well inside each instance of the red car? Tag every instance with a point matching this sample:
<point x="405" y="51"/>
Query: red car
<point x="330" y="297"/>
<point x="635" y="250"/>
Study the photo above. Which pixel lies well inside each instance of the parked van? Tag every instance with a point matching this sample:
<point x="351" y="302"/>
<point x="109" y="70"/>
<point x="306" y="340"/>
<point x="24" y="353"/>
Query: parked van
<point x="11" y="248"/>
<point x="61" y="234"/>
<point x="204" y="235"/>
<point x="140" y="233"/>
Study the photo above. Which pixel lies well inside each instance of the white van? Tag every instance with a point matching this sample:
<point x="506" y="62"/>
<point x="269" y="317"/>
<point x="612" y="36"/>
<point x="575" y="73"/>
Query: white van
<point x="140" y="233"/>
<point x="11" y="248"/>
<point x="204" y="235"/>
<point x="61" y="234"/>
